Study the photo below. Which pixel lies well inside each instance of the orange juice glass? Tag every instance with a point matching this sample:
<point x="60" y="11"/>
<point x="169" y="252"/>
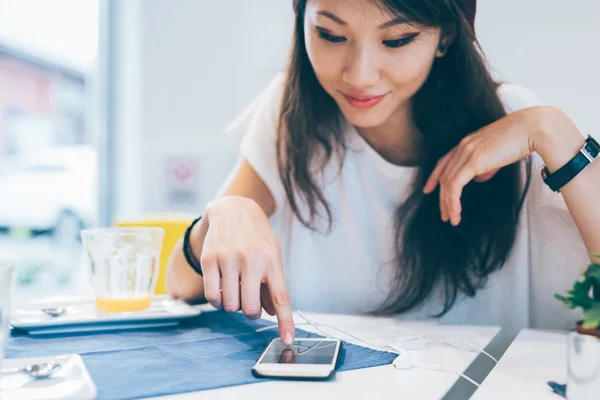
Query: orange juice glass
<point x="124" y="266"/>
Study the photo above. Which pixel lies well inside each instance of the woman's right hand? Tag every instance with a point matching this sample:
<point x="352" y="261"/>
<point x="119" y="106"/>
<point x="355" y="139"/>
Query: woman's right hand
<point x="242" y="263"/>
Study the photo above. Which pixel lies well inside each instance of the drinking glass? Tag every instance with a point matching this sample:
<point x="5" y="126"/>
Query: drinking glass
<point x="124" y="266"/>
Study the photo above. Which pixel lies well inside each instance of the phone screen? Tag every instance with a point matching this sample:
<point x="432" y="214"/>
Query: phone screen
<point x="301" y="352"/>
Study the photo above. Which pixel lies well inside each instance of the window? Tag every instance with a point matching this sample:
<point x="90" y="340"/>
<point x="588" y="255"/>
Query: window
<point x="48" y="57"/>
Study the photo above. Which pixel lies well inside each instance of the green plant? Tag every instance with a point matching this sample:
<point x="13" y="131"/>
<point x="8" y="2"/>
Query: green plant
<point x="586" y="295"/>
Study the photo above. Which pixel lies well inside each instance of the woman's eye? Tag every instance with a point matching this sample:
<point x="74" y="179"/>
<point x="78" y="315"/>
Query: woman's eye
<point x="394" y="44"/>
<point x="331" y="38"/>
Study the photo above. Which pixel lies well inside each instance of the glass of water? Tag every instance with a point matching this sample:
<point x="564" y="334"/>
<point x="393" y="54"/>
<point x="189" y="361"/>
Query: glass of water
<point x="124" y="266"/>
<point x="6" y="284"/>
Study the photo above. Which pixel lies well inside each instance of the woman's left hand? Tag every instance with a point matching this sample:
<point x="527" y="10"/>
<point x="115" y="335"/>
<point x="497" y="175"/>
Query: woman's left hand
<point x="481" y="154"/>
<point x="544" y="130"/>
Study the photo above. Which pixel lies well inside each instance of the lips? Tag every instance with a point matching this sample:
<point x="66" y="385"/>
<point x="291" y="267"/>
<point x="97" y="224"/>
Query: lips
<point x="363" y="101"/>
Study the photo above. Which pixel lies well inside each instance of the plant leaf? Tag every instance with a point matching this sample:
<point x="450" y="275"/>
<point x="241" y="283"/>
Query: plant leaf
<point x="585" y="293"/>
<point x="581" y="287"/>
<point x="580" y="294"/>
<point x="593" y="271"/>
<point x="592" y="275"/>
<point x="565" y="300"/>
<point x="595" y="255"/>
<point x="591" y="317"/>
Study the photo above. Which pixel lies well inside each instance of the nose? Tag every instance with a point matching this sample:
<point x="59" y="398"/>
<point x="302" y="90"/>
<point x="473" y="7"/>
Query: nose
<point x="362" y="68"/>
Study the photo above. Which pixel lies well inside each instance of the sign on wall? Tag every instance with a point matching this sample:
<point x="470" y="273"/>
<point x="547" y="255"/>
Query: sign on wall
<point x="182" y="181"/>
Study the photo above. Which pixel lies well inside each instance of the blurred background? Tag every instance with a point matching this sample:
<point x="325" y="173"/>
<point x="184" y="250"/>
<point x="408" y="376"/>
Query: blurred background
<point x="115" y="110"/>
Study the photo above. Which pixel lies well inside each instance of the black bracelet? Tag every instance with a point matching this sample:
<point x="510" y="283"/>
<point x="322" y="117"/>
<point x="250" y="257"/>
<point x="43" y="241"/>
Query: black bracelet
<point x="187" y="249"/>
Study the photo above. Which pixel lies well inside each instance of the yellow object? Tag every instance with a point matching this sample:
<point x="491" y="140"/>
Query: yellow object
<point x="123" y="305"/>
<point x="174" y="228"/>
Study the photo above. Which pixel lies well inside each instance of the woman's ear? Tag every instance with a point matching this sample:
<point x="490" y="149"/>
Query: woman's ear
<point x="447" y="37"/>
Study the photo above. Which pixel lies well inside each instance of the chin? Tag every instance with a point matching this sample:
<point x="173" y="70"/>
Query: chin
<point x="365" y="119"/>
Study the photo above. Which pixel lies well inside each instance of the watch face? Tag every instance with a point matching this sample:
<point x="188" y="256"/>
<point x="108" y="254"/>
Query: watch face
<point x="544" y="173"/>
<point x="593" y="147"/>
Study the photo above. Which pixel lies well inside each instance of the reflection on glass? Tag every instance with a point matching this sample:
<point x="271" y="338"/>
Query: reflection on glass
<point x="287" y="357"/>
<point x="301" y="352"/>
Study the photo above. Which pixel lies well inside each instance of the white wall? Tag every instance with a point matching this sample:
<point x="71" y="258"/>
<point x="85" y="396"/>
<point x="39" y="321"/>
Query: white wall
<point x="128" y="141"/>
<point x="185" y="68"/>
<point x="552" y="47"/>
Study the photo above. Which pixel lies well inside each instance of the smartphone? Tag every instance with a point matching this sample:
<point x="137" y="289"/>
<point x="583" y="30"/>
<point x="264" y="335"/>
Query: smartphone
<point x="314" y="358"/>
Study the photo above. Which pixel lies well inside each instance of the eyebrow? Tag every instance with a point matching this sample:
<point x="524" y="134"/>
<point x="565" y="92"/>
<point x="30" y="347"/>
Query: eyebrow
<point x="396" y="21"/>
<point x="332" y="17"/>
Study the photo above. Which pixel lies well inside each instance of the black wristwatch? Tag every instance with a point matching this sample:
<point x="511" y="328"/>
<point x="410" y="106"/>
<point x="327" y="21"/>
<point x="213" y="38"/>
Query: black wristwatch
<point x="588" y="153"/>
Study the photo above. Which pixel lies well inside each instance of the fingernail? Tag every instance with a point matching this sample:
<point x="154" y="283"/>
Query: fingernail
<point x="289" y="339"/>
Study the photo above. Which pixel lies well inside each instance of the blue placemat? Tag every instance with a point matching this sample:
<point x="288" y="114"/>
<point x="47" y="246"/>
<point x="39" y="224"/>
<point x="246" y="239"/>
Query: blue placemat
<point x="214" y="350"/>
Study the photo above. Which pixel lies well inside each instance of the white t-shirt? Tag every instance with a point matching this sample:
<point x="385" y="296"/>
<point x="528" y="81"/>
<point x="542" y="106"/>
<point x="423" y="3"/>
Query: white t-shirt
<point x="349" y="270"/>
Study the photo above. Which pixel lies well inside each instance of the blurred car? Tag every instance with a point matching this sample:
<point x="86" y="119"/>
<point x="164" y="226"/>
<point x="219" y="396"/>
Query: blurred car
<point x="51" y="189"/>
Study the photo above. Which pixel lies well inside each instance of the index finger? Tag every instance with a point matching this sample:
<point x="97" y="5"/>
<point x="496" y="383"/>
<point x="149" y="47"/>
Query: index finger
<point x="283" y="305"/>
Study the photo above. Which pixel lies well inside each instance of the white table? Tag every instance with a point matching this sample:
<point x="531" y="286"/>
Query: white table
<point x="378" y="382"/>
<point x="533" y="359"/>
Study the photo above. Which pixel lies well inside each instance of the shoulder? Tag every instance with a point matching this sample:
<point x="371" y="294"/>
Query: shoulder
<point x="254" y="131"/>
<point x="515" y="97"/>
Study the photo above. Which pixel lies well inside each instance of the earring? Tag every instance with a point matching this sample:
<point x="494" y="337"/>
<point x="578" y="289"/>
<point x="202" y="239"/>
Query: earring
<point x="442" y="49"/>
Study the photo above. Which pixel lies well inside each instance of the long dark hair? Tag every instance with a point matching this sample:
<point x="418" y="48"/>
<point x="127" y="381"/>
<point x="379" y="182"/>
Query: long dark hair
<point x="458" y="98"/>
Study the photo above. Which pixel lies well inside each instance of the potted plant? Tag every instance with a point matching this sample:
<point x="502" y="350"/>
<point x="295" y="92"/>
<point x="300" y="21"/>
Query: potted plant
<point x="583" y="343"/>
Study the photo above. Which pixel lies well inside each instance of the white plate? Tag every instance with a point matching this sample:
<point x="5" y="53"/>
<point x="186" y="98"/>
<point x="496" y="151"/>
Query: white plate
<point x="83" y="316"/>
<point x="72" y="381"/>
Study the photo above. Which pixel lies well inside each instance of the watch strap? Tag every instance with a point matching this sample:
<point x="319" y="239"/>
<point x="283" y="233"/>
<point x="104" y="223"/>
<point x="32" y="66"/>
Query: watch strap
<point x="586" y="155"/>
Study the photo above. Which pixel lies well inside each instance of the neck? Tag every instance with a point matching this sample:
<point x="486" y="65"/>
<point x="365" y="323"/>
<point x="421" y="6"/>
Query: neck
<point x="397" y="140"/>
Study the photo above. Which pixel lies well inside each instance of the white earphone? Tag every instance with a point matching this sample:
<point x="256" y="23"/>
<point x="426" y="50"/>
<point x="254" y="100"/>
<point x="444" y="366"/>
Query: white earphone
<point x="410" y="341"/>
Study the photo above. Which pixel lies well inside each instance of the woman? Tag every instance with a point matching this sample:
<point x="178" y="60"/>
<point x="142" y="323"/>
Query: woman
<point x="387" y="172"/>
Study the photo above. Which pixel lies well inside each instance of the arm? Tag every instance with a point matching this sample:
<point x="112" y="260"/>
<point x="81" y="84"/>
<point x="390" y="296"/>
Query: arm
<point x="545" y="130"/>
<point x="240" y="255"/>
<point x="181" y="280"/>
<point x="557" y="141"/>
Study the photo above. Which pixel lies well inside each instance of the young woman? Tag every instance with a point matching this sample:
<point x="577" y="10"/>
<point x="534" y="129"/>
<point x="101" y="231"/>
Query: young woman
<point x="386" y="171"/>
